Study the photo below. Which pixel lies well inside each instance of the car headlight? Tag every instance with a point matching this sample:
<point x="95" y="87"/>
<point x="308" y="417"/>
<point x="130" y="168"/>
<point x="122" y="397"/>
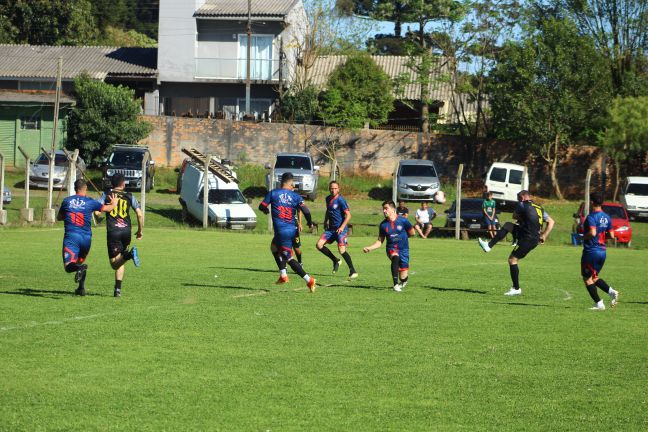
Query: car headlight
<point x="631" y="207"/>
<point x="110" y="172"/>
<point x="251" y="219"/>
<point x="434" y="185"/>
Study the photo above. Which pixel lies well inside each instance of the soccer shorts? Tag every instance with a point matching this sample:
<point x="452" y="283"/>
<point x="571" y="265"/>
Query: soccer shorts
<point x="331" y="235"/>
<point x="283" y="240"/>
<point x="117" y="242"/>
<point x="522" y="248"/>
<point x="592" y="263"/>
<point x="403" y="257"/>
<point x="490" y="222"/>
<point x="75" y="248"/>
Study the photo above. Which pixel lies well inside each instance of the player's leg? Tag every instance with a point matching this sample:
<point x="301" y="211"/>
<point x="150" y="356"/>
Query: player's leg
<point x="403" y="268"/>
<point x="603" y="286"/>
<point x="284" y="242"/>
<point x="80" y="277"/>
<point x="342" y="248"/>
<point x="395" y="265"/>
<point x="297" y="248"/>
<point x="589" y="272"/>
<point x="281" y="263"/>
<point x="328" y="237"/>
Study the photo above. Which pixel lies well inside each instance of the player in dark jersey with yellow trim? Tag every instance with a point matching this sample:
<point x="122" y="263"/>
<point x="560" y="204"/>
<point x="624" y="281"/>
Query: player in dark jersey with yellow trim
<point x="531" y="219"/>
<point x="118" y="225"/>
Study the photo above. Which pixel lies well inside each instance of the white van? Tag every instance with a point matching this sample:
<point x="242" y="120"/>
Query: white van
<point x="635" y="197"/>
<point x="228" y="208"/>
<point x="506" y="180"/>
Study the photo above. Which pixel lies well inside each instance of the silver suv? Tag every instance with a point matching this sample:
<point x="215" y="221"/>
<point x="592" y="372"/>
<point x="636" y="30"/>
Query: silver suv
<point x="301" y="166"/>
<point x="415" y="180"/>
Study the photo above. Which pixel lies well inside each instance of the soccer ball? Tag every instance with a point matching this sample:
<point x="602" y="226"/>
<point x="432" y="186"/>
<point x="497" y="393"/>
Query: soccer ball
<point x="440" y="197"/>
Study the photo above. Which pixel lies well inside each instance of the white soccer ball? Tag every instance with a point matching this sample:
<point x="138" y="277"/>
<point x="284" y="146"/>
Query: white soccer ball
<point x="440" y="197"/>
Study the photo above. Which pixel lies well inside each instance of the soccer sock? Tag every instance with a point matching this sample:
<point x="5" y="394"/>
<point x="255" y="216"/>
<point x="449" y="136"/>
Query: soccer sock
<point x="394" y="268"/>
<point x="404" y="279"/>
<point x="71" y="267"/>
<point x="296" y="267"/>
<point x="277" y="259"/>
<point x="499" y="235"/>
<point x="326" y="251"/>
<point x="127" y="254"/>
<point x="298" y="255"/>
<point x="591" y="289"/>
<point x="515" y="275"/>
<point x="603" y="285"/>
<point x="347" y="258"/>
<point x="118" y="284"/>
<point x="283" y="272"/>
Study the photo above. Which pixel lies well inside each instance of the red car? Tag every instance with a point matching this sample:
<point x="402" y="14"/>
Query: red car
<point x="620" y="221"/>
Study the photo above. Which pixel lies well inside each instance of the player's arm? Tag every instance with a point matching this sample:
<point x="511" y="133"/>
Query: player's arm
<point x="299" y="220"/>
<point x="548" y="226"/>
<point x="109" y="207"/>
<point x="61" y="214"/>
<point x="486" y="213"/>
<point x="102" y="200"/>
<point x="263" y="205"/>
<point x="591" y="233"/>
<point x="307" y="215"/>
<point x="374" y="245"/>
<point x="140" y="223"/>
<point x="345" y="222"/>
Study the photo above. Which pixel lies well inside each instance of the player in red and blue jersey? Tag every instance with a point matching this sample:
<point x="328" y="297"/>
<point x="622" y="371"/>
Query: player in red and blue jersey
<point x="597" y="225"/>
<point x="284" y="203"/>
<point x="76" y="213"/>
<point x="397" y="230"/>
<point x="336" y="223"/>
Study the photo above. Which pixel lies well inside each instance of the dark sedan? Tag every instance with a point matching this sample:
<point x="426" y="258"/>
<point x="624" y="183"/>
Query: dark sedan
<point x="472" y="215"/>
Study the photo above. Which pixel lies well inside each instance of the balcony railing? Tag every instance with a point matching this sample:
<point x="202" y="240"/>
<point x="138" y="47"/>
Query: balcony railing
<point x="221" y="68"/>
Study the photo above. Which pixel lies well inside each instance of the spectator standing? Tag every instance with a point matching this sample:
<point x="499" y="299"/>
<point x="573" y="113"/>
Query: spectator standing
<point x="488" y="207"/>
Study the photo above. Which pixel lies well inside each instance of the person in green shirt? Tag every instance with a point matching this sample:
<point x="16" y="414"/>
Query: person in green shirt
<point x="488" y="207"/>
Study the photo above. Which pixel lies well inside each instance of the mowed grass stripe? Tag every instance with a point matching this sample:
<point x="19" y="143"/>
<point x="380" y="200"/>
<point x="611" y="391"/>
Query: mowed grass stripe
<point x="185" y="350"/>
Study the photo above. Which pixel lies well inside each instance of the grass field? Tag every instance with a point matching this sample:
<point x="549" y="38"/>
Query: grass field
<point x="202" y="340"/>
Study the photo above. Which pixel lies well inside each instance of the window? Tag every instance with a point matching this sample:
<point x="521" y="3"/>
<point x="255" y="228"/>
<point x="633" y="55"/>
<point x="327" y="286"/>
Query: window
<point x="33" y="123"/>
<point x="417" y="171"/>
<point x="498" y="175"/>
<point x="260" y="57"/>
<point x="515" y="177"/>
<point x="293" y="162"/>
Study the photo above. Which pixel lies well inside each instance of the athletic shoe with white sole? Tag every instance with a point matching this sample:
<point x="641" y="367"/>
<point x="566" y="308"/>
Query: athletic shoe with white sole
<point x="282" y="280"/>
<point x="117" y="292"/>
<point x="614" y="297"/>
<point x="80" y="273"/>
<point x="598" y="306"/>
<point x="513" y="292"/>
<point x="403" y="284"/>
<point x="311" y="284"/>
<point x="80" y="291"/>
<point x="136" y="258"/>
<point x="353" y="275"/>
<point x="484" y="245"/>
<point x="336" y="266"/>
<point x="398" y="288"/>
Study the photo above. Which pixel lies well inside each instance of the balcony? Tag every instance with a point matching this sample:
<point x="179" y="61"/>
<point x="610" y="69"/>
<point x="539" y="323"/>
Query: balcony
<point x="235" y="69"/>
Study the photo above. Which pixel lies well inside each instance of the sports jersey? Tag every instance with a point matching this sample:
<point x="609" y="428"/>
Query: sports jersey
<point x="336" y="209"/>
<point x="423" y="215"/>
<point x="530" y="217"/>
<point x="284" y="204"/>
<point x="396" y="233"/>
<point x="602" y="222"/>
<point x="77" y="211"/>
<point x="489" y="207"/>
<point x="119" y="218"/>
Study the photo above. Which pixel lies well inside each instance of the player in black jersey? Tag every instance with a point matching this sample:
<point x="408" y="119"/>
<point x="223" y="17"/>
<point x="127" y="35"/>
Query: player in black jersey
<point x="118" y="224"/>
<point x="532" y="228"/>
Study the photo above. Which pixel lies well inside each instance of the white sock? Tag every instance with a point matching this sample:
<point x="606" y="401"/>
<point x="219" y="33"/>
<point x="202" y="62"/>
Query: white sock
<point x="283" y="272"/>
<point x="307" y="278"/>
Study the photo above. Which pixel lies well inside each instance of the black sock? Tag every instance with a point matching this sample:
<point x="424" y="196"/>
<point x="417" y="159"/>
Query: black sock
<point x="591" y="289"/>
<point x="404" y="279"/>
<point x="127" y="254"/>
<point x="71" y="267"/>
<point x="298" y="255"/>
<point x="118" y="284"/>
<point x="395" y="261"/>
<point x="347" y="258"/>
<point x="277" y="259"/>
<point x="515" y="275"/>
<point x="297" y="268"/>
<point x="326" y="251"/>
<point x="603" y="285"/>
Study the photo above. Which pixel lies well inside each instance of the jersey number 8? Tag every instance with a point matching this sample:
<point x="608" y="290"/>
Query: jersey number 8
<point x="121" y="209"/>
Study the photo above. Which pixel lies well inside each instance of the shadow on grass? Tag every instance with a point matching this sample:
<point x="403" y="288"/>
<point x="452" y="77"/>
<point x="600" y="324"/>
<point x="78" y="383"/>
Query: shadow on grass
<point x="224" y="286"/>
<point x="354" y="286"/>
<point x="250" y="269"/>
<point x="640" y="303"/>
<point x="172" y="214"/>
<point x="524" y="304"/>
<point x="52" y="294"/>
<point x="466" y="290"/>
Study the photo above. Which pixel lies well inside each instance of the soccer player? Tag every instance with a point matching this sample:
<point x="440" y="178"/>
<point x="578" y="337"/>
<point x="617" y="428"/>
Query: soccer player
<point x="76" y="213"/>
<point x="527" y="231"/>
<point x="296" y="244"/>
<point x="118" y="226"/>
<point x="596" y="226"/>
<point x="284" y="203"/>
<point x="397" y="231"/>
<point x="336" y="221"/>
<point x="488" y="207"/>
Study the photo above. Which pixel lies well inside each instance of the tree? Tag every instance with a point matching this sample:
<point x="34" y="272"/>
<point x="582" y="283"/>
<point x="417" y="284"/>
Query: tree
<point x="104" y="115"/>
<point x="549" y="90"/>
<point x="627" y="132"/>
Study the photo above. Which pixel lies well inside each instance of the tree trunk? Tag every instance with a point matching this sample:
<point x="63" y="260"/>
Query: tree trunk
<point x="554" y="165"/>
<point x="617" y="178"/>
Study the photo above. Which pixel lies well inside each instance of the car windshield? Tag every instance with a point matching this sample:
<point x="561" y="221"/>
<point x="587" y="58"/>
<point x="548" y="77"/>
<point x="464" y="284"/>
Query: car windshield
<point x="615" y="212"/>
<point x="417" y="171"/>
<point x="637" y="189"/>
<point x="131" y="159"/>
<point x="293" y="162"/>
<point x="467" y="205"/>
<point x="59" y="160"/>
<point x="225" y="196"/>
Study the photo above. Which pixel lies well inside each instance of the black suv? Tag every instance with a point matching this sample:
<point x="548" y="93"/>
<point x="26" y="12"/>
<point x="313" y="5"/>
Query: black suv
<point x="127" y="160"/>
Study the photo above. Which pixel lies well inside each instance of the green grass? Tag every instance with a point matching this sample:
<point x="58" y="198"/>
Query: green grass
<point x="202" y="340"/>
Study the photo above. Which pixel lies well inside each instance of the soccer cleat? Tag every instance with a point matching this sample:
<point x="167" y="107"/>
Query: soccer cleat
<point x="282" y="280"/>
<point x="614" y="297"/>
<point x="336" y="266"/>
<point x="484" y="245"/>
<point x="513" y="292"/>
<point x="398" y="288"/>
<point x="136" y="258"/>
<point x="80" y="273"/>
<point x="598" y="306"/>
<point x="311" y="284"/>
<point x="117" y="292"/>
<point x="80" y="291"/>
<point x="403" y="284"/>
<point x="353" y="275"/>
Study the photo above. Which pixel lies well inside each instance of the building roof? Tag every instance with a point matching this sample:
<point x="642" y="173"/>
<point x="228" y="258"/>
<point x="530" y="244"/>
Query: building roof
<point x="238" y="9"/>
<point x="394" y="66"/>
<point x="38" y="97"/>
<point x="40" y="61"/>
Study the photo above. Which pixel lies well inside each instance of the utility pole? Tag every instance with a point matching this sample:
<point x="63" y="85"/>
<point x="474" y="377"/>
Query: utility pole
<point x="48" y="213"/>
<point x="247" y="65"/>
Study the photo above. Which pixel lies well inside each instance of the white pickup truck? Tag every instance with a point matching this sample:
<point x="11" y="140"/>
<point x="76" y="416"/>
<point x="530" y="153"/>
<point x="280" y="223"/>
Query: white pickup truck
<point x="635" y="197"/>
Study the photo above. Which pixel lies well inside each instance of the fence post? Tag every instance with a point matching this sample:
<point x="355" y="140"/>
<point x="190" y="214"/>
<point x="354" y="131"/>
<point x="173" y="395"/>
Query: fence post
<point x="143" y="185"/>
<point x="26" y="213"/>
<point x="48" y="212"/>
<point x="3" y="213"/>
<point x="270" y="187"/>
<point x="588" y="178"/>
<point x="458" y="203"/>
<point x="206" y="192"/>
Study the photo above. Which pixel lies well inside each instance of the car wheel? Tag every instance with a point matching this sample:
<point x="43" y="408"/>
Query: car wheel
<point x="312" y="196"/>
<point x="149" y="184"/>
